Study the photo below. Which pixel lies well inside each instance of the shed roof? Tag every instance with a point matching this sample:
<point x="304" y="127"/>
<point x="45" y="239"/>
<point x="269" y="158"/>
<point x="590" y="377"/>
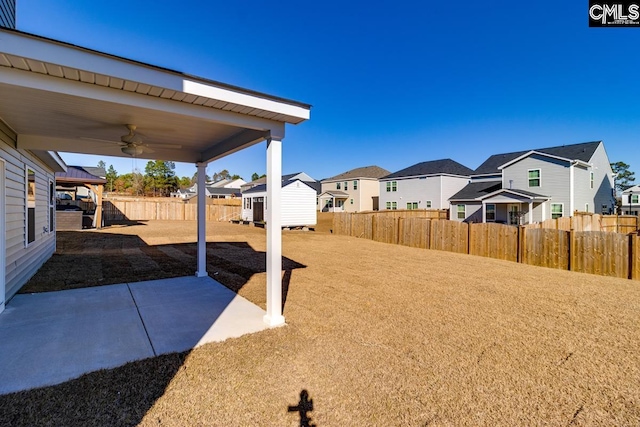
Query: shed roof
<point x="78" y="175"/>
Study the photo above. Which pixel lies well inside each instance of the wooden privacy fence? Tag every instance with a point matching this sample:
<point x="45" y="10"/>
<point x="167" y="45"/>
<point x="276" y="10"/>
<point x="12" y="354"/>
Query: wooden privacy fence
<point x="595" y="252"/>
<point x="141" y="210"/>
<point x="591" y="222"/>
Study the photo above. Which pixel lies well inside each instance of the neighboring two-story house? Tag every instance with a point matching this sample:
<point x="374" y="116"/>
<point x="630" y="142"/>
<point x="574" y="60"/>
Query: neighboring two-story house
<point x="630" y="201"/>
<point x="531" y="186"/>
<point x="426" y="185"/>
<point x="356" y="190"/>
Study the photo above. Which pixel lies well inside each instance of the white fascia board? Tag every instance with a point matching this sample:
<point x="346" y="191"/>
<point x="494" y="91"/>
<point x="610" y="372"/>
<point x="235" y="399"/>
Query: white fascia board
<point x="506" y="190"/>
<point x="517" y="159"/>
<point x="49" y="51"/>
<point x="51" y="159"/>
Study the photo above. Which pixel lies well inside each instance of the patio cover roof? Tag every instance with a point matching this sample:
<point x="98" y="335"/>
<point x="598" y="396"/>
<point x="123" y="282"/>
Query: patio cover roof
<point x="61" y="97"/>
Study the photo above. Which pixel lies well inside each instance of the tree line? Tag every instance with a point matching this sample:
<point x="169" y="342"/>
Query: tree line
<point x="159" y="179"/>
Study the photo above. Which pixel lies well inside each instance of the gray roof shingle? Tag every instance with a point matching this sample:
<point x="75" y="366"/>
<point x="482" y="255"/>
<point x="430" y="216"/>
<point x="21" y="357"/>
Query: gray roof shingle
<point x="375" y="172"/>
<point x="474" y="190"/>
<point x="583" y="151"/>
<point x="433" y="167"/>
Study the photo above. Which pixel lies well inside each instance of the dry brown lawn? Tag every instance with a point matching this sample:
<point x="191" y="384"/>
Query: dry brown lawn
<point x="379" y="335"/>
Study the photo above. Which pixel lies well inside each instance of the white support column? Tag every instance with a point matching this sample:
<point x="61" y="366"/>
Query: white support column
<point x="202" y="220"/>
<point x="571" y="190"/>
<point x="530" y="212"/>
<point x="484" y="212"/>
<point x="543" y="206"/>
<point x="274" y="233"/>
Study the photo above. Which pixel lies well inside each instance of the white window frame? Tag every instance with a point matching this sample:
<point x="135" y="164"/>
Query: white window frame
<point x="486" y="213"/>
<point x="355" y="184"/>
<point x="338" y="185"/>
<point x="412" y="206"/>
<point x="539" y="178"/>
<point x="632" y="196"/>
<point x="394" y="185"/>
<point x="428" y="204"/>
<point x="463" y="211"/>
<point x="52" y="205"/>
<point x="591" y="179"/>
<point x="28" y="168"/>
<point x="586" y="207"/>
<point x="556" y="213"/>
<point x="388" y="206"/>
<point x="346" y="186"/>
<point x="394" y="206"/>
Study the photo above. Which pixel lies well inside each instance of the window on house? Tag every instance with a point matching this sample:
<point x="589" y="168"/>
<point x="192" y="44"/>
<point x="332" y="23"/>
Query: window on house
<point x="491" y="212"/>
<point x="31" y="205"/>
<point x="339" y="203"/>
<point x="394" y="186"/>
<point x="462" y="212"/>
<point x="591" y="179"/>
<point x="388" y="205"/>
<point x="557" y="210"/>
<point x="351" y="201"/>
<point x="330" y="203"/>
<point x="634" y="198"/>
<point x="428" y="204"/>
<point x="412" y="205"/>
<point x="388" y="186"/>
<point x="534" y="178"/>
<point x="247" y="203"/>
<point x="52" y="206"/>
<point x="346" y="186"/>
<point x="586" y="207"/>
<point x="355" y="185"/>
<point x="337" y="185"/>
<point x="394" y="205"/>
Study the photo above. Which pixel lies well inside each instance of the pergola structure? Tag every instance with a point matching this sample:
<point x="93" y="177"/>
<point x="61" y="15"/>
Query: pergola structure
<point x="61" y="97"/>
<point x="78" y="177"/>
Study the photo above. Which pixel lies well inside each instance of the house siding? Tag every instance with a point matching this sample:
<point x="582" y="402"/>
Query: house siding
<point x="8" y="13"/>
<point x="298" y="205"/>
<point x="362" y="197"/>
<point x="23" y="261"/>
<point x="437" y="189"/>
<point x="554" y="180"/>
<point x="368" y="188"/>
<point x="603" y="181"/>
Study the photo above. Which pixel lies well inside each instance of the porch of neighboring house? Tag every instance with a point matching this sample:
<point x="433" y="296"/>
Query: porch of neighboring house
<point x="332" y="201"/>
<point x="513" y="207"/>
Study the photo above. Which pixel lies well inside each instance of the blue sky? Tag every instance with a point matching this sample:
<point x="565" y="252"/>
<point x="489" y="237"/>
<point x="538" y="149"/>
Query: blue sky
<point x="391" y="83"/>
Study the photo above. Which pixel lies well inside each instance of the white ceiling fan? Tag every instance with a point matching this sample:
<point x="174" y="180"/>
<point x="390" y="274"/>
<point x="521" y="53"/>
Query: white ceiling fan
<point x="133" y="145"/>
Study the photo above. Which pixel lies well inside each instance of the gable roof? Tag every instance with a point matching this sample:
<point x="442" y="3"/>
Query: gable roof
<point x="433" y="167"/>
<point x="375" y="172"/>
<point x="263" y="187"/>
<point x="78" y="175"/>
<point x="583" y="151"/>
<point x="475" y="190"/>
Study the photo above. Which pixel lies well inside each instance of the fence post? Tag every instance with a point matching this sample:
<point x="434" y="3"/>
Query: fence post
<point x="431" y="232"/>
<point x="632" y="256"/>
<point x="522" y="240"/>
<point x="373" y="227"/>
<point x="400" y="230"/>
<point x="572" y="250"/>
<point x="469" y="237"/>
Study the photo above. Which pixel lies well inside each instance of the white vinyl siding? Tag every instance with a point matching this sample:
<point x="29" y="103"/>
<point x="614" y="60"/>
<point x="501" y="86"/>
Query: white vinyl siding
<point x="298" y="205"/>
<point x="431" y="192"/>
<point x="22" y="262"/>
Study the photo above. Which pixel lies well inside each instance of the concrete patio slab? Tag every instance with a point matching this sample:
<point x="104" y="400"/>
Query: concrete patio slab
<point x="52" y="337"/>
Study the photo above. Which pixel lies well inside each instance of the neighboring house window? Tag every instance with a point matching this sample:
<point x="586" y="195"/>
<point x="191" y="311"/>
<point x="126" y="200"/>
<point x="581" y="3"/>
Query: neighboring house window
<point x="337" y="185"/>
<point x="591" y="179"/>
<point x="52" y="206"/>
<point x="355" y="185"/>
<point x="462" y="212"/>
<point x="412" y="205"/>
<point x="330" y="203"/>
<point x="31" y="205"/>
<point x="634" y="198"/>
<point x="388" y="186"/>
<point x="392" y="186"/>
<point x="339" y="203"/>
<point x="428" y="204"/>
<point x="388" y="205"/>
<point x="491" y="212"/>
<point x="557" y="210"/>
<point x="351" y="201"/>
<point x="346" y="186"/>
<point x="534" y="178"/>
<point x="247" y="203"/>
<point x="586" y="207"/>
<point x="394" y="205"/>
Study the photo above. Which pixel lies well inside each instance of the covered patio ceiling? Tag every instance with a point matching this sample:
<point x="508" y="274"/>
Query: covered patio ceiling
<point x="61" y="97"/>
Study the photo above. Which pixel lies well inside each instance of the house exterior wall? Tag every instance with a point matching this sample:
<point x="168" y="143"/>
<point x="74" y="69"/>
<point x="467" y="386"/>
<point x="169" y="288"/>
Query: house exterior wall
<point x="362" y="197"/>
<point x="473" y="211"/>
<point x="627" y="207"/>
<point x="8" y="13"/>
<point x="437" y="189"/>
<point x="603" y="181"/>
<point x="298" y="205"/>
<point x="554" y="180"/>
<point x="583" y="194"/>
<point x="22" y="259"/>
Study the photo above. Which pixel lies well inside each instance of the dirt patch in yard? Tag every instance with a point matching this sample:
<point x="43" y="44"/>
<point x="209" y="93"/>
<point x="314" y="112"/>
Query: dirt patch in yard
<point x="378" y="334"/>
